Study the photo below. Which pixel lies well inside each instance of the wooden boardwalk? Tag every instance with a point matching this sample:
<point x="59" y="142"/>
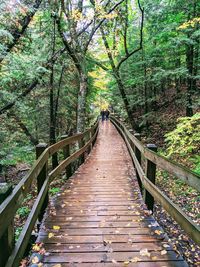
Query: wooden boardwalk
<point x="99" y="219"/>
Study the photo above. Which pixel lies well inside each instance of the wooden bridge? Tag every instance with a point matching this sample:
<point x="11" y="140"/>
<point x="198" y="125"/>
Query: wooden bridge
<point x="102" y="217"/>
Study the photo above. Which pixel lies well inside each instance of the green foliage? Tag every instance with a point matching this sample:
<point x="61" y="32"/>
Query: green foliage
<point x="19" y="154"/>
<point x="183" y="143"/>
<point x="23" y="211"/>
<point x="185" y="139"/>
<point x="54" y="190"/>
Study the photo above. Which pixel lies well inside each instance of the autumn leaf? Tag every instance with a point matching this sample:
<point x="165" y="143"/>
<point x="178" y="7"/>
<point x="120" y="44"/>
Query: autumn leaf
<point x="158" y="232"/>
<point x="36" y="248"/>
<point x="50" y="235"/>
<point x="144" y="252"/>
<point x="135" y="259"/>
<point x="35" y="259"/>
<point x="56" y="227"/>
<point x="163" y="252"/>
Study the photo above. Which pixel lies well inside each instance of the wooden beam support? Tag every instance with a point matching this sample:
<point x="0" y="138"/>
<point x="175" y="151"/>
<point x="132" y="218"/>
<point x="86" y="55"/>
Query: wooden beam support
<point x="150" y="171"/>
<point x="41" y="178"/>
<point x="7" y="240"/>
<point x="138" y="156"/>
<point x="66" y="154"/>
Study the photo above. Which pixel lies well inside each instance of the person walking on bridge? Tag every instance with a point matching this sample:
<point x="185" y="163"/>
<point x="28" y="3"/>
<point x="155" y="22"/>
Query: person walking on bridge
<point x="107" y="113"/>
<point x="102" y="115"/>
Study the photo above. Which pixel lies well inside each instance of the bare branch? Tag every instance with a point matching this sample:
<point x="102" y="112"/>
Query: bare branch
<point x="99" y="24"/>
<point x="98" y="63"/>
<point x="68" y="46"/>
<point x="108" y="49"/>
<point x="125" y="29"/>
<point x="141" y="38"/>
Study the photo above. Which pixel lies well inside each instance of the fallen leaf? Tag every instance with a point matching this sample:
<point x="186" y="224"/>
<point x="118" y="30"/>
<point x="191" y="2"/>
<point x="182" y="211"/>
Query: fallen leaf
<point x="36" y="247"/>
<point x="35" y="259"/>
<point x="50" y="235"/>
<point x="158" y="232"/>
<point x="144" y="252"/>
<point x="56" y="227"/>
<point x="163" y="252"/>
<point x="135" y="259"/>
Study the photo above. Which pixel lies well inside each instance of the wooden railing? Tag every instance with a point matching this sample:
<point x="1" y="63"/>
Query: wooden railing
<point x="146" y="178"/>
<point x="11" y="254"/>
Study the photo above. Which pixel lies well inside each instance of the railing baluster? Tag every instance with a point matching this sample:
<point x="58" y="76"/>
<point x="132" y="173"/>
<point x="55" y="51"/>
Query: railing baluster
<point x="150" y="171"/>
<point x="138" y="156"/>
<point x="81" y="143"/>
<point x="41" y="178"/>
<point x="7" y="241"/>
<point x="66" y="153"/>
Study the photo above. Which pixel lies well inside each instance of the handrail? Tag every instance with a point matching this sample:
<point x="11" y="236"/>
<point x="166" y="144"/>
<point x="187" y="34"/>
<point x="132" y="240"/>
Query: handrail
<point x="9" y="207"/>
<point x="188" y="176"/>
<point x="174" y="210"/>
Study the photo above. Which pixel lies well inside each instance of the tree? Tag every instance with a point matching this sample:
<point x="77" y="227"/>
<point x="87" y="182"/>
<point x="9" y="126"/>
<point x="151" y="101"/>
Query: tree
<point x="77" y="32"/>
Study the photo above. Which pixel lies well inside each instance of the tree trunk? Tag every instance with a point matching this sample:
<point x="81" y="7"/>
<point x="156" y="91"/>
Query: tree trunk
<point x="52" y="132"/>
<point x="34" y="141"/>
<point x="129" y="110"/>
<point x="190" y="63"/>
<point x="81" y="102"/>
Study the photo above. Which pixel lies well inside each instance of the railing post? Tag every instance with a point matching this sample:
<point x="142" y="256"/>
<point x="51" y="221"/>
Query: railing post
<point x="7" y="241"/>
<point x="41" y="178"/>
<point x="66" y="154"/>
<point x="138" y="156"/>
<point x="150" y="171"/>
<point x="90" y="147"/>
<point x="81" y="143"/>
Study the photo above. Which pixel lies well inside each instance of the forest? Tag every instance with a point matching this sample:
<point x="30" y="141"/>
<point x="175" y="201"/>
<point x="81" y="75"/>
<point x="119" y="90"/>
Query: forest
<point x="63" y="61"/>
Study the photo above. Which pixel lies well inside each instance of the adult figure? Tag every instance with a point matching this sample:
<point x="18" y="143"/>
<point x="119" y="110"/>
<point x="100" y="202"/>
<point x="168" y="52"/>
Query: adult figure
<point x="107" y="113"/>
<point x="102" y="115"/>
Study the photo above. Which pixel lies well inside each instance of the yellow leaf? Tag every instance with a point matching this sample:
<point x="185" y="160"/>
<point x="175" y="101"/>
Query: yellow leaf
<point x="57" y="265"/>
<point x="126" y="263"/>
<point x="50" y="235"/>
<point x="35" y="259"/>
<point x="163" y="252"/>
<point x="144" y="252"/>
<point x="36" y="247"/>
<point x="56" y="227"/>
<point x="154" y="258"/>
<point x="158" y="232"/>
<point x="135" y="259"/>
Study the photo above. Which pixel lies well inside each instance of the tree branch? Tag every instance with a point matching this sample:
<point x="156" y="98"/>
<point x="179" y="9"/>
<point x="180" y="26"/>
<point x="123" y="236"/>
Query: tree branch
<point x="98" y="63"/>
<point x="99" y="24"/>
<point x="47" y="65"/>
<point x="24" y="24"/>
<point x="68" y="46"/>
<point x="141" y="38"/>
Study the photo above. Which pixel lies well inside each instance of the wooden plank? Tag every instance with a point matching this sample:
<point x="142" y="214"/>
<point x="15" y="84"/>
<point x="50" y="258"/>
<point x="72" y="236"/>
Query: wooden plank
<point x="98" y="247"/>
<point x="108" y="257"/>
<point x="98" y="231"/>
<point x="136" y="264"/>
